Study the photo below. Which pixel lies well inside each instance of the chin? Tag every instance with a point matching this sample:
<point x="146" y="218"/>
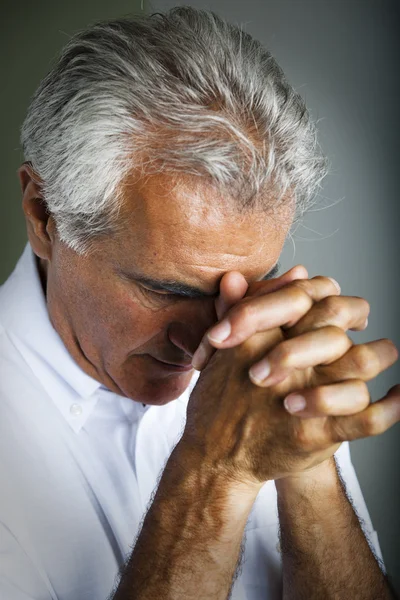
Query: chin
<point x="159" y="391"/>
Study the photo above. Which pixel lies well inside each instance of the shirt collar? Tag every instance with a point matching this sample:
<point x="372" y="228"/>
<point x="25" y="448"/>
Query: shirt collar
<point x="25" y="317"/>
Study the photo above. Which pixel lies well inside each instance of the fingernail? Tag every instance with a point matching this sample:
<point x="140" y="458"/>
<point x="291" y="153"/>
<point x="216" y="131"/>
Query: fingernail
<point x="220" y="332"/>
<point x="366" y="323"/>
<point x="260" y="371"/>
<point x="294" y="403"/>
<point x="199" y="357"/>
<point x="335" y="283"/>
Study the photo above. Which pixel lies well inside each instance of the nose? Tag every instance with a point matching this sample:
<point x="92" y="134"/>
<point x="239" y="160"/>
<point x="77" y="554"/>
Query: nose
<point x="179" y="335"/>
<point x="186" y="334"/>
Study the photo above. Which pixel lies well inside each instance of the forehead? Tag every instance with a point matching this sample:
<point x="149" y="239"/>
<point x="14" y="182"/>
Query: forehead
<point x="185" y="227"/>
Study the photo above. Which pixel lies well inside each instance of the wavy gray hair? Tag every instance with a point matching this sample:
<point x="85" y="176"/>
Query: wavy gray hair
<point x="183" y="92"/>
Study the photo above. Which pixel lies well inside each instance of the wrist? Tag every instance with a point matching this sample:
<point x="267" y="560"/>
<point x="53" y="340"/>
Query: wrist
<point x="323" y="476"/>
<point x="199" y="476"/>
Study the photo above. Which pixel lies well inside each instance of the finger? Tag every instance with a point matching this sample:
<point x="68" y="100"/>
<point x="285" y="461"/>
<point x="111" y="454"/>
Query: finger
<point x="338" y="399"/>
<point x="321" y="346"/>
<point x="377" y="418"/>
<point x="362" y="361"/>
<point x="284" y="307"/>
<point x="259" y="288"/>
<point x="346" y="312"/>
<point x="233" y="287"/>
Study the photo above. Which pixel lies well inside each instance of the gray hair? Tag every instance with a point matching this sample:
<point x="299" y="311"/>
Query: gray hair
<point x="183" y="92"/>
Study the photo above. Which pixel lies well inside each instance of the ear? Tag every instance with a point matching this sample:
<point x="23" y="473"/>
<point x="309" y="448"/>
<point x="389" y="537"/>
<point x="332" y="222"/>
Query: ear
<point x="40" y="225"/>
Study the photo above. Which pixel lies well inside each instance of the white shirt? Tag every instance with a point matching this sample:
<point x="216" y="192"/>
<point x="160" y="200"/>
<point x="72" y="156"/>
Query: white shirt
<point x="78" y="465"/>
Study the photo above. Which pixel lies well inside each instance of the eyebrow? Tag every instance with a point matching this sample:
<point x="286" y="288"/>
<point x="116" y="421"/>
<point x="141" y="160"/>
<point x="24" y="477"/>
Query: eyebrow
<point x="181" y="289"/>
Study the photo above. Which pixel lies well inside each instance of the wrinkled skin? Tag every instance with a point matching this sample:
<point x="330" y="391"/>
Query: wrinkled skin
<point x="118" y="330"/>
<point x="244" y="429"/>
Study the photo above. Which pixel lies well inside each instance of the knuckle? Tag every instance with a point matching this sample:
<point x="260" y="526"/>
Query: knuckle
<point x="361" y="389"/>
<point x="283" y="354"/>
<point x="334" y="308"/>
<point x="365" y="360"/>
<point x="360" y="393"/>
<point x="299" y="293"/>
<point x="302" y="437"/>
<point x="300" y="286"/>
<point x="322" y="402"/>
<point x="336" y="430"/>
<point x="374" y="422"/>
<point x="242" y="313"/>
<point x="338" y="333"/>
<point x="245" y="311"/>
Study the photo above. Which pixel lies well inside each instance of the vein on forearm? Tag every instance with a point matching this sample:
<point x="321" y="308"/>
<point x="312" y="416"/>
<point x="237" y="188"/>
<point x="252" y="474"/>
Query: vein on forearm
<point x="324" y="550"/>
<point x="190" y="543"/>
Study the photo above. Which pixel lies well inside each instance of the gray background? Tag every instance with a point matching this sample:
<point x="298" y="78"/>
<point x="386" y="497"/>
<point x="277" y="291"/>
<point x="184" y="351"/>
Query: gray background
<point x="343" y="57"/>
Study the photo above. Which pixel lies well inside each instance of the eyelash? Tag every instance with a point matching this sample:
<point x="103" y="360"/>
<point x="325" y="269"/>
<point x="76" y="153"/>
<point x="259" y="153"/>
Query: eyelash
<point x="160" y="295"/>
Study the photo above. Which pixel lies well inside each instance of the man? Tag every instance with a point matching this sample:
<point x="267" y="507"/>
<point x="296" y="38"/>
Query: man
<point x="166" y="160"/>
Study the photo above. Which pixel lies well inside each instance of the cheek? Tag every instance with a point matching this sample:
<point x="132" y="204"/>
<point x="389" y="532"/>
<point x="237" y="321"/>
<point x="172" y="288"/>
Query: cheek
<point x="119" y="321"/>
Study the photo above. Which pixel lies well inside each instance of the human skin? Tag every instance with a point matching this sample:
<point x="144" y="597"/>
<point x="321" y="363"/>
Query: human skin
<point x="237" y="436"/>
<point x="215" y="502"/>
<point x="114" y="327"/>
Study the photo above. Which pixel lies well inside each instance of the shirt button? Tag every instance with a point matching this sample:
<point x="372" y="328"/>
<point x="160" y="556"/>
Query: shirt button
<point x="76" y="410"/>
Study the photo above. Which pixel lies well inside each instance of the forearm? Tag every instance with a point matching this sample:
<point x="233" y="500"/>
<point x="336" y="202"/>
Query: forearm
<point x="324" y="551"/>
<point x="190" y="541"/>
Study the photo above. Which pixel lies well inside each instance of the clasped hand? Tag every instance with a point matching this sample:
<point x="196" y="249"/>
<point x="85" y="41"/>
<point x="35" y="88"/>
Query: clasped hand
<point x="287" y="385"/>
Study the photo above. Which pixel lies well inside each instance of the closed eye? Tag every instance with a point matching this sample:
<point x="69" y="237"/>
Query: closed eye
<point x="164" y="295"/>
<point x="273" y="273"/>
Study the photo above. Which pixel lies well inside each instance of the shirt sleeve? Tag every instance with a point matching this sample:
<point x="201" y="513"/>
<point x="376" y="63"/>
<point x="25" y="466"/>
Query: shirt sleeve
<point x="355" y="495"/>
<point x="19" y="579"/>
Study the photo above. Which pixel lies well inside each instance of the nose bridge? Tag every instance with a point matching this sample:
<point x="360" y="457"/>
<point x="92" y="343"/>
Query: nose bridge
<point x="189" y="326"/>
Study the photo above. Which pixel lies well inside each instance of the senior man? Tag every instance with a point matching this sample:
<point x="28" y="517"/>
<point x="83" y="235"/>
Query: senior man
<point x="166" y="159"/>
